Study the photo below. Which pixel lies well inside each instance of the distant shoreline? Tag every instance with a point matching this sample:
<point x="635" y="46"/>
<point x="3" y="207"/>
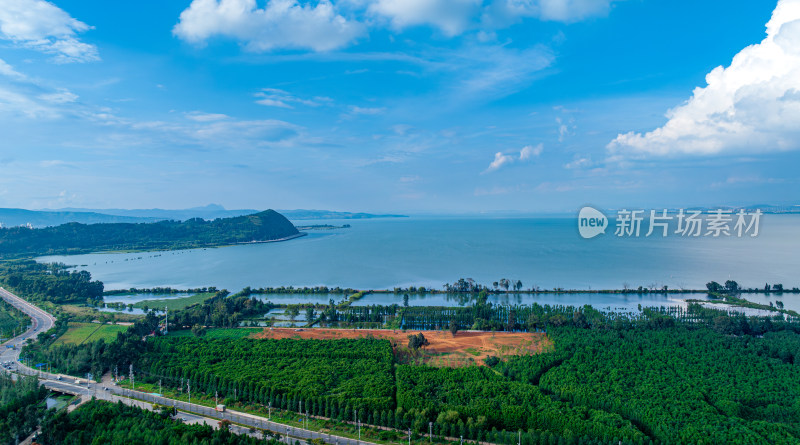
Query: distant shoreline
<point x="277" y="240"/>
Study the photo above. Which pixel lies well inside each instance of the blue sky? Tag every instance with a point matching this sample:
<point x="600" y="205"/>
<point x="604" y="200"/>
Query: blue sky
<point x="399" y="105"/>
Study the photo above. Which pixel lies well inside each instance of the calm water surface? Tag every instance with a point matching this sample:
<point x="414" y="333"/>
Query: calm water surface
<point x="542" y="252"/>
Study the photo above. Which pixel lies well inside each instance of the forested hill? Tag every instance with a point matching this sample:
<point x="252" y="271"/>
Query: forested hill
<point x="81" y="238"/>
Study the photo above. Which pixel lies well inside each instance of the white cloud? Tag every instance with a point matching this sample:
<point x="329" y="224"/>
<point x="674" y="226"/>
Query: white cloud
<point x="9" y="71"/>
<point x="366" y="110"/>
<point x="491" y="71"/>
<point x="501" y="13"/>
<point x="529" y="152"/>
<point x="579" y="163"/>
<point x="751" y="106"/>
<point x="62" y="96"/>
<point x="273" y="97"/>
<point x="17" y="104"/>
<point x="199" y="116"/>
<point x="43" y="26"/>
<point x="453" y="17"/>
<point x="280" y="24"/>
<point x="501" y="159"/>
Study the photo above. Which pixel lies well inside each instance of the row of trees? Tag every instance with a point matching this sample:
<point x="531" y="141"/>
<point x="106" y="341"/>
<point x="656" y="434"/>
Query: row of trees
<point x="285" y="372"/>
<point x="118" y="424"/>
<point x="732" y="287"/>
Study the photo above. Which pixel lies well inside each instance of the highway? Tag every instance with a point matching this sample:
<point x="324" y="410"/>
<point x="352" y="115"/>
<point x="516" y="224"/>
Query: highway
<point x="42" y="321"/>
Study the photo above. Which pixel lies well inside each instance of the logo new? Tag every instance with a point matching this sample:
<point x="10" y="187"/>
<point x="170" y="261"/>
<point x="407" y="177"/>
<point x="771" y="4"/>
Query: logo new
<point x="591" y="222"/>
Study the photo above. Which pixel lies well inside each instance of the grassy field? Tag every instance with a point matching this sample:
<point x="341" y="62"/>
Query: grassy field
<point x="174" y="303"/>
<point x="233" y="333"/>
<point x="82" y="332"/>
<point x="89" y="313"/>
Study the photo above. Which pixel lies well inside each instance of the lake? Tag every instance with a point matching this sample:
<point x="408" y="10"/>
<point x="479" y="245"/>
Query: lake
<point x="430" y="251"/>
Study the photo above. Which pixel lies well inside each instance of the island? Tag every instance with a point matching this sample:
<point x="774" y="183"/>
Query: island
<point x="74" y="238"/>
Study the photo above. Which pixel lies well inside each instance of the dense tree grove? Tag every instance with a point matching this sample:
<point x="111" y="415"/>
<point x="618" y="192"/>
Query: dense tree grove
<point x="474" y="401"/>
<point x="677" y="385"/>
<point x="118" y="424"/>
<point x="98" y="357"/>
<point x="50" y="282"/>
<point x="220" y="310"/>
<point x="326" y="375"/>
<point x="12" y="320"/>
<point x="74" y="238"/>
<point x="21" y="408"/>
<point x="661" y="375"/>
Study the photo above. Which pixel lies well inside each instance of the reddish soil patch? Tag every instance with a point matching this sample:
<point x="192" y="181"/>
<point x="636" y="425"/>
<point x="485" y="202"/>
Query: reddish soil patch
<point x="466" y="348"/>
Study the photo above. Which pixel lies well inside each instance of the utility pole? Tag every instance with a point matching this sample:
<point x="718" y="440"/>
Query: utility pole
<point x="159" y="387"/>
<point x="133" y="385"/>
<point x="189" y="389"/>
<point x="166" y="320"/>
<point x="430" y="431"/>
<point x="409" y="436"/>
<point x="216" y="398"/>
<point x="269" y="413"/>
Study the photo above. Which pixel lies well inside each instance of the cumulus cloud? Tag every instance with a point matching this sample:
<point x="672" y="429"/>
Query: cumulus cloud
<point x="751" y="106"/>
<point x="526" y="154"/>
<point x="43" y="26"/>
<point x="280" y="24"/>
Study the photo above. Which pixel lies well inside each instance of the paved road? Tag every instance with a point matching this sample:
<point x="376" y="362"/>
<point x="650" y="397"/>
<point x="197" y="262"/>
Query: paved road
<point x="42" y="321"/>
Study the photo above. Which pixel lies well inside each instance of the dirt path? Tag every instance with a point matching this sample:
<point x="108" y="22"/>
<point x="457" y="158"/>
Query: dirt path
<point x="467" y="347"/>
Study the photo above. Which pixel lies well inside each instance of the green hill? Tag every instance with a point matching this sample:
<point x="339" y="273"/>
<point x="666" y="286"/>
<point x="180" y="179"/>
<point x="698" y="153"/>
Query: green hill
<point x="75" y="238"/>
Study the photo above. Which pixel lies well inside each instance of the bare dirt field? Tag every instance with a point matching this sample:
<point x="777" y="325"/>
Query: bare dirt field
<point x="466" y="348"/>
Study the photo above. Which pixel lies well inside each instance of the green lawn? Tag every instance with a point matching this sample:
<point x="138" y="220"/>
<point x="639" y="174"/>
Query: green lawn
<point x="82" y="332"/>
<point x="233" y="333"/>
<point x="175" y="303"/>
<point x="107" y="332"/>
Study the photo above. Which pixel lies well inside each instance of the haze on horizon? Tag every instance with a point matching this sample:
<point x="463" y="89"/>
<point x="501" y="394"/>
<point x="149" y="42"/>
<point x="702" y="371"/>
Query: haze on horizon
<point x="397" y="106"/>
